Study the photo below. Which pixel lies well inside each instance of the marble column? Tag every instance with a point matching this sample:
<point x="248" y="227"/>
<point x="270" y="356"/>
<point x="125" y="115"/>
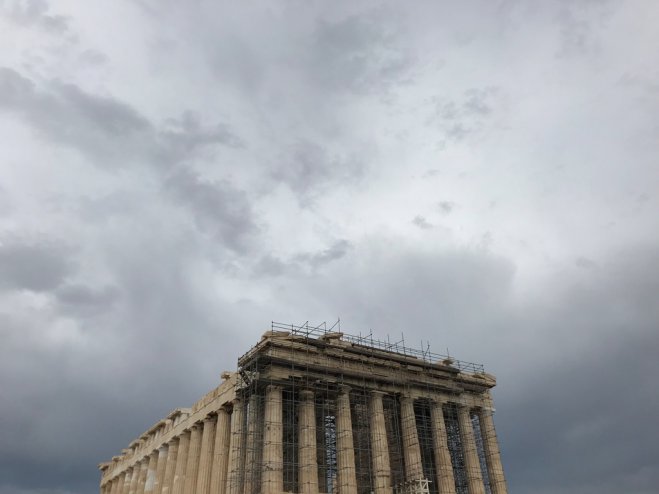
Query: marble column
<point x="118" y="483"/>
<point x="345" y="450"/>
<point x="250" y="444"/>
<point x="221" y="452"/>
<point x="379" y="446"/>
<point x="308" y="458"/>
<point x="132" y="489"/>
<point x="163" y="453"/>
<point x="126" y="485"/>
<point x="472" y="465"/>
<point x="170" y="468"/>
<point x="141" y="480"/>
<point x="178" y="485"/>
<point x="234" y="484"/>
<point x="111" y="486"/>
<point x="492" y="454"/>
<point x="206" y="456"/>
<point x="192" y="468"/>
<point x="151" y="473"/>
<point x="273" y="466"/>
<point x="411" y="447"/>
<point x="443" y="464"/>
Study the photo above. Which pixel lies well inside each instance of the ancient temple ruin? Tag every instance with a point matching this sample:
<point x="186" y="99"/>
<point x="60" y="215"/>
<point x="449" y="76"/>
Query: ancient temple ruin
<point x="311" y="410"/>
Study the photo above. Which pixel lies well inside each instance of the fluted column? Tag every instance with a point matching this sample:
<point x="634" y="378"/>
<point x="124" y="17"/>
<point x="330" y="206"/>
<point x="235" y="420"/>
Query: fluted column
<point x="192" y="468"/>
<point x="119" y="482"/>
<point x="308" y="469"/>
<point x="379" y="446"/>
<point x="250" y="444"/>
<point x="234" y="484"/>
<point x="178" y="485"/>
<point x="141" y="479"/>
<point x="345" y="450"/>
<point x="472" y="465"/>
<point x="206" y="456"/>
<point x="443" y="465"/>
<point x="221" y="452"/>
<point x="170" y="468"/>
<point x="411" y="448"/>
<point x="132" y="489"/>
<point x="126" y="485"/>
<point x="163" y="453"/>
<point x="273" y="466"/>
<point x="151" y="473"/>
<point x="492" y="454"/>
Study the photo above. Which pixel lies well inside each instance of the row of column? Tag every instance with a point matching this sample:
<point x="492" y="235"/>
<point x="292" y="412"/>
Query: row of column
<point x="272" y="480"/>
<point x="209" y="457"/>
<point x="194" y="462"/>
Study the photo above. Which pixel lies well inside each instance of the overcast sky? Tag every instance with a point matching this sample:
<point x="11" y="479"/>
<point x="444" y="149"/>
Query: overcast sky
<point x="481" y="175"/>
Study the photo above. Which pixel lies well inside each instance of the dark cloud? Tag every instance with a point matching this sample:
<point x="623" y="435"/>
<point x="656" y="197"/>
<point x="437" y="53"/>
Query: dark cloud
<point x="309" y="169"/>
<point x="107" y="130"/>
<point x="302" y="263"/>
<point x="461" y="117"/>
<point x="361" y="53"/>
<point x="445" y="207"/>
<point x="217" y="207"/>
<point x="84" y="300"/>
<point x="421" y="222"/>
<point x="36" y="13"/>
<point x="585" y="263"/>
<point x="33" y="265"/>
<point x="591" y="404"/>
<point x="334" y="252"/>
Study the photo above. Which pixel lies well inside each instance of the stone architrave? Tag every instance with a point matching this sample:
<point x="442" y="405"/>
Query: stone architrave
<point x="170" y="468"/>
<point x="492" y="455"/>
<point x="443" y="464"/>
<point x="178" y="485"/>
<point x="472" y="465"/>
<point x="308" y="456"/>
<point x="411" y="447"/>
<point x="221" y="452"/>
<point x="379" y="446"/>
<point x="345" y="449"/>
<point x="192" y="468"/>
<point x="273" y="466"/>
<point x="235" y="449"/>
<point x="206" y="456"/>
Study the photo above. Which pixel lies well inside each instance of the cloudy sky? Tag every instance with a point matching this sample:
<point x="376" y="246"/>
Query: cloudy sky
<point x="480" y="175"/>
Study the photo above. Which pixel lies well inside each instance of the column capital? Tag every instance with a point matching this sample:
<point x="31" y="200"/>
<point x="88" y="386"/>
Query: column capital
<point x="273" y="387"/>
<point x="344" y="389"/>
<point x="209" y="418"/>
<point x="439" y="400"/>
<point x="307" y="394"/>
<point x="405" y="397"/>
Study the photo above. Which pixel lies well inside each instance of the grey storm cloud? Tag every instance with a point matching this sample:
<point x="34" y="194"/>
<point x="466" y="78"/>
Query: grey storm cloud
<point x="309" y="169"/>
<point x="218" y="207"/>
<point x="106" y="129"/>
<point x="36" y="12"/>
<point x="359" y="53"/>
<point x="33" y="265"/>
